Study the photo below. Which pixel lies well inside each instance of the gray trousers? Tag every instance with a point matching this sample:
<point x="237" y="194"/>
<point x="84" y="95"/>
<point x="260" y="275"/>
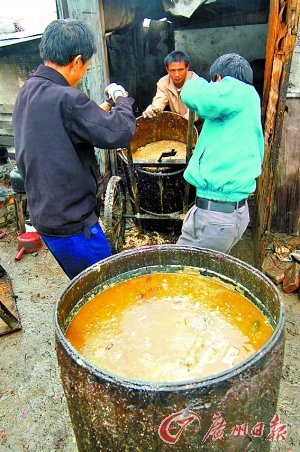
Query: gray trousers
<point x="214" y="230"/>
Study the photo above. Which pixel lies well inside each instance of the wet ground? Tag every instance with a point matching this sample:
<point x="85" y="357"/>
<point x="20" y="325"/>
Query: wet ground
<point x="33" y="413"/>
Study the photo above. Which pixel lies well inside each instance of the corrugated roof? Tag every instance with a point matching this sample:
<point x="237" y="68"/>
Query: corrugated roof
<point x="17" y="37"/>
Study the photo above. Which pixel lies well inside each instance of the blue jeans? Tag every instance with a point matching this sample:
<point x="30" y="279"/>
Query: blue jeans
<point x="78" y="252"/>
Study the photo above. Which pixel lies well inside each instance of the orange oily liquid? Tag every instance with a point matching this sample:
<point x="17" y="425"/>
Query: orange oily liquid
<point x="167" y="327"/>
<point x="154" y="150"/>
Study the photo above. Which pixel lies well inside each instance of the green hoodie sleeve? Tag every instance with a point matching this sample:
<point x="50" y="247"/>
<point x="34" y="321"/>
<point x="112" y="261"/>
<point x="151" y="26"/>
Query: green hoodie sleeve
<point x="212" y="100"/>
<point x="228" y="155"/>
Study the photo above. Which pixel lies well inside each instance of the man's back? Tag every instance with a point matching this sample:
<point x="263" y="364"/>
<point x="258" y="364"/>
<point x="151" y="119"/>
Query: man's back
<point x="55" y="129"/>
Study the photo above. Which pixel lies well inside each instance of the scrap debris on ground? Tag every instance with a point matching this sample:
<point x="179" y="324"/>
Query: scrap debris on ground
<point x="134" y="239"/>
<point x="282" y="262"/>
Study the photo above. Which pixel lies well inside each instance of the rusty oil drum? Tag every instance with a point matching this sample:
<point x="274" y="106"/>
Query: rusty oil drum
<point x="111" y="413"/>
<point x="160" y="189"/>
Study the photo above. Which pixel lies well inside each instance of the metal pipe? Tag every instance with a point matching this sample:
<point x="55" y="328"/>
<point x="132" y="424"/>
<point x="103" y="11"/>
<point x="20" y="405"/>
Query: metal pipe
<point x="189" y="147"/>
<point x="134" y="188"/>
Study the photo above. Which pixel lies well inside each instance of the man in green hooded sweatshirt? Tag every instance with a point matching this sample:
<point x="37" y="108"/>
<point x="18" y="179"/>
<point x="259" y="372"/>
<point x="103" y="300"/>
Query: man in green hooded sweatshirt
<point x="228" y="155"/>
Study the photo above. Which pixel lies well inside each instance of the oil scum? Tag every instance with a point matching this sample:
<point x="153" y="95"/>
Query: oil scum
<point x="167" y="327"/>
<point x="155" y="149"/>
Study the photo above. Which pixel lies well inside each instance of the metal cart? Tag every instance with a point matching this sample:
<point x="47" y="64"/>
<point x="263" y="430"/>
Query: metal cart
<point x="157" y="190"/>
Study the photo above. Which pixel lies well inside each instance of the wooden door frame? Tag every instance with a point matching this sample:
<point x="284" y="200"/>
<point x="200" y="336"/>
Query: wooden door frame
<point x="97" y="77"/>
<point x="282" y="33"/>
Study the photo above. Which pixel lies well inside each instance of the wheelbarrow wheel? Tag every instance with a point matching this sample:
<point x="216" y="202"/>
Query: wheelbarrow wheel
<point x="114" y="211"/>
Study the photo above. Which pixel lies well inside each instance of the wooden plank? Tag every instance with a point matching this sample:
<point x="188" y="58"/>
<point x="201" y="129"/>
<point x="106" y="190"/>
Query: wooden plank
<point x="8" y="299"/>
<point x="283" y="23"/>
<point x="6" y="108"/>
<point x="270" y="49"/>
<point x="20" y="206"/>
<point x="286" y="202"/>
<point x="91" y="12"/>
<point x="6" y="140"/>
<point x="97" y="76"/>
<point x="6" y="123"/>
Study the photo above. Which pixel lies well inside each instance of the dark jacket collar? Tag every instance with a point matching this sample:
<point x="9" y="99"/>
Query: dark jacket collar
<point x="50" y="74"/>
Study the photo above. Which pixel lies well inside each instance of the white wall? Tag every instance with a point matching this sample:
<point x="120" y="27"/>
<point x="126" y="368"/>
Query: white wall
<point x="294" y="79"/>
<point x="32" y="15"/>
<point x="205" y="45"/>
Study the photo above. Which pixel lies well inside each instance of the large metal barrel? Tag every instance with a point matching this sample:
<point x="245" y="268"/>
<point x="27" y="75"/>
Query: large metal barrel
<point x="160" y="188"/>
<point x="230" y="411"/>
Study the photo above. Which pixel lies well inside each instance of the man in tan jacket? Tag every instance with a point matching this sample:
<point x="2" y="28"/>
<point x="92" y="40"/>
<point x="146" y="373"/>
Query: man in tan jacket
<point x="169" y="87"/>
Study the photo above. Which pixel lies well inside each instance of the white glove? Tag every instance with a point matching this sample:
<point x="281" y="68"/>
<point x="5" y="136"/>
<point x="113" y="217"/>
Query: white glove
<point x="113" y="91"/>
<point x="150" y="112"/>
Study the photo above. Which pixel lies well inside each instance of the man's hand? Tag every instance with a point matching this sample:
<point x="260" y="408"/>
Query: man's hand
<point x="113" y="91"/>
<point x="105" y="106"/>
<point x="150" y="112"/>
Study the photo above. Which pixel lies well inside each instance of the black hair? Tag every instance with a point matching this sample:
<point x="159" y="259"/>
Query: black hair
<point x="175" y="57"/>
<point x="64" y="39"/>
<point x="233" y="65"/>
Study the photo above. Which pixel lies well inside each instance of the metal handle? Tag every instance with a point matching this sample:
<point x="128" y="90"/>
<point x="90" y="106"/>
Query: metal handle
<point x="167" y="154"/>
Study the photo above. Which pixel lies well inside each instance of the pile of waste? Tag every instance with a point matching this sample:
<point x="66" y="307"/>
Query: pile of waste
<point x="282" y="262"/>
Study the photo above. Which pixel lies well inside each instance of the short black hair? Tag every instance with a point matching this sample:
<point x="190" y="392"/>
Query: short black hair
<point x="233" y="65"/>
<point x="64" y="39"/>
<point x="175" y="57"/>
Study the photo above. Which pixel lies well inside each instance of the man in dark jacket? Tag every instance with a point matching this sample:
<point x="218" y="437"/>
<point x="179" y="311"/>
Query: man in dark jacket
<point x="56" y="127"/>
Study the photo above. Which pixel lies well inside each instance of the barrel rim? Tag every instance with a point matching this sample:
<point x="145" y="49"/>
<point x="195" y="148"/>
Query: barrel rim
<point x="212" y="380"/>
<point x="179" y="166"/>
